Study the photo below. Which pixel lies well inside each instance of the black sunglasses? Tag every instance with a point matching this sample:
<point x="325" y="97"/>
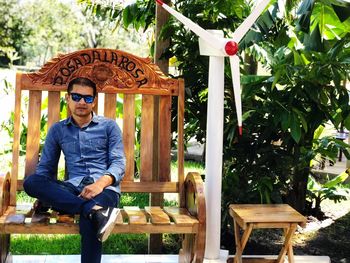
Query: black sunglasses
<point x="87" y="98"/>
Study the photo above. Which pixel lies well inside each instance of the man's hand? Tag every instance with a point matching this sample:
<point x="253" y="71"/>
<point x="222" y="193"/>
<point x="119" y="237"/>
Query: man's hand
<point x="90" y="191"/>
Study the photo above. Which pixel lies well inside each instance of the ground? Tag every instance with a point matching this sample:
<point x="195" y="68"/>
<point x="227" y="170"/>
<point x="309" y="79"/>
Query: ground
<point x="327" y="237"/>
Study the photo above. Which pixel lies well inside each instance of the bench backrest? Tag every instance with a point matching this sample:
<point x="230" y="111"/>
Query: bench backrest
<point x="122" y="79"/>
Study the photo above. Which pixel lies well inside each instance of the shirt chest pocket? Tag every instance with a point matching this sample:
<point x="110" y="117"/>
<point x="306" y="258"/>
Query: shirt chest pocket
<point x="99" y="145"/>
<point x="69" y="148"/>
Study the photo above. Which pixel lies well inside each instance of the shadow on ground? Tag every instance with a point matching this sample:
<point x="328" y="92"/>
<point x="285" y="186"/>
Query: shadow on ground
<point x="332" y="241"/>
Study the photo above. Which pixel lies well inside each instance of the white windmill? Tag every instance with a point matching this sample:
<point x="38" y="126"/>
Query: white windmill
<point x="217" y="48"/>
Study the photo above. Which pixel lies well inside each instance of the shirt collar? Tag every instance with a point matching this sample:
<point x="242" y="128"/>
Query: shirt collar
<point x="94" y="119"/>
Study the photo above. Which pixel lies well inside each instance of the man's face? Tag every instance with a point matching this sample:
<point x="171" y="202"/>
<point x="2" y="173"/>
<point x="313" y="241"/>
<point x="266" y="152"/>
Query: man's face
<point x="80" y="108"/>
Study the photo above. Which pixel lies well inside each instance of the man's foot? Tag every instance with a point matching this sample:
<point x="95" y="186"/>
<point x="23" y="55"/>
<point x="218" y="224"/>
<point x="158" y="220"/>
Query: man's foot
<point x="39" y="207"/>
<point x="104" y="221"/>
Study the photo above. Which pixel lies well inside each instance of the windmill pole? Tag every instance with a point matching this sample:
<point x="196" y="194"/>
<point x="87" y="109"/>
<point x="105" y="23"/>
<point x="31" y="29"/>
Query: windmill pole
<point x="214" y="150"/>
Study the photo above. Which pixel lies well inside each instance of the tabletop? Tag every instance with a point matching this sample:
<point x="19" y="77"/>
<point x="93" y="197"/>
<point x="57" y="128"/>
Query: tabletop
<point x="266" y="213"/>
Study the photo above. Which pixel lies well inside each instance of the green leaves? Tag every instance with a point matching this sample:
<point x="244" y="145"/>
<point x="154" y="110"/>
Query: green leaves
<point x="305" y="10"/>
<point x="295" y="120"/>
<point x="332" y="189"/>
<point x="336" y="180"/>
<point x="326" y="20"/>
<point x="128" y="16"/>
<point x="139" y="15"/>
<point x="13" y="32"/>
<point x="295" y="127"/>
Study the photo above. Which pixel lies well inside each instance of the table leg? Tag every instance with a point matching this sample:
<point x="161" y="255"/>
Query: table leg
<point x="290" y="252"/>
<point x="287" y="245"/>
<point x="241" y="242"/>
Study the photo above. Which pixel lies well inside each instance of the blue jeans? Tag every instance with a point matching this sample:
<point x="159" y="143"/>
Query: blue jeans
<point x="63" y="197"/>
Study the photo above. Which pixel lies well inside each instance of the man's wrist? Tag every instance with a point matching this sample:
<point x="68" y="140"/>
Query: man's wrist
<point x="111" y="177"/>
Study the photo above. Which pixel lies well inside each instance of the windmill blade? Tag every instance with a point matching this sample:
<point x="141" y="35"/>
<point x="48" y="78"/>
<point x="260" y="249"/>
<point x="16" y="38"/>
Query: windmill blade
<point x="212" y="40"/>
<point x="249" y="21"/>
<point x="234" y="61"/>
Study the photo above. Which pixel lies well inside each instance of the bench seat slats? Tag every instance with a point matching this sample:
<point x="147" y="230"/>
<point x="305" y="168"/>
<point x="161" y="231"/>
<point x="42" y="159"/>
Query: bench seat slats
<point x="135" y="215"/>
<point x="180" y="216"/>
<point x="157" y="215"/>
<point x="65" y="218"/>
<point x="155" y="229"/>
<point x="9" y="211"/>
<point x="131" y="215"/>
<point x="119" y="220"/>
<point x="15" y="219"/>
<point x="41" y="218"/>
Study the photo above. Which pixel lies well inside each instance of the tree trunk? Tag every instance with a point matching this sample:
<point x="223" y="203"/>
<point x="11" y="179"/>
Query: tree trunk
<point x="297" y="195"/>
<point x="300" y="175"/>
<point x="250" y="65"/>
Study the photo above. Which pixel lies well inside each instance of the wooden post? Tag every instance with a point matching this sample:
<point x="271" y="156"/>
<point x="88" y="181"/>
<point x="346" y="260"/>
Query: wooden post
<point x="155" y="240"/>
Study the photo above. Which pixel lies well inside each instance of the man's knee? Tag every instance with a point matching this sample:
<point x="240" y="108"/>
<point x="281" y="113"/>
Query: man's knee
<point x="27" y="183"/>
<point x="30" y="183"/>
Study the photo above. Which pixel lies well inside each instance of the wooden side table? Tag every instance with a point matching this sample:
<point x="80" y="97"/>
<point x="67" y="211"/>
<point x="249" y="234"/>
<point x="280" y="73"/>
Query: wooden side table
<point x="249" y="216"/>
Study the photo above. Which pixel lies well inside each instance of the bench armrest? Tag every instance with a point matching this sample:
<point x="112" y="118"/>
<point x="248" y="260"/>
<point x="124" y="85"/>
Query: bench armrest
<point x="194" y="196"/>
<point x="195" y="204"/>
<point x="4" y="192"/>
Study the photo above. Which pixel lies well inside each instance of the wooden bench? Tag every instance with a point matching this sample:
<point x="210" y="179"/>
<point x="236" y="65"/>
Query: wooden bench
<point x="120" y="77"/>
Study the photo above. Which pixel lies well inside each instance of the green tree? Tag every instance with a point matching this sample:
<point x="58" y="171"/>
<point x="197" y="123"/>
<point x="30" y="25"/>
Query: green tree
<point x="55" y="27"/>
<point x="13" y="31"/>
<point x="105" y="32"/>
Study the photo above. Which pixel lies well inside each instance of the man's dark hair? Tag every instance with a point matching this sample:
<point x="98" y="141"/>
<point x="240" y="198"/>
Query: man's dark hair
<point x="82" y="82"/>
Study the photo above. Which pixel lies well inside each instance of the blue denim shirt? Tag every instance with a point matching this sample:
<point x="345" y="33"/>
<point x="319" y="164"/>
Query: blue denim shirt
<point x="90" y="151"/>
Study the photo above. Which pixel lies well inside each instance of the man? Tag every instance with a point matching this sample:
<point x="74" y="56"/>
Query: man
<point x="95" y="161"/>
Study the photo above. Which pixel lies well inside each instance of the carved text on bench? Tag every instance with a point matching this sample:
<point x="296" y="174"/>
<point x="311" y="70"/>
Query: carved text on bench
<point x="105" y="56"/>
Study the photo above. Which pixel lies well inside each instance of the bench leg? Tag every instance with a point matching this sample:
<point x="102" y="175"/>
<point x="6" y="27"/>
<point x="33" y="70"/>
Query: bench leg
<point x="193" y="246"/>
<point x="199" y="247"/>
<point x="186" y="253"/>
<point x="4" y="248"/>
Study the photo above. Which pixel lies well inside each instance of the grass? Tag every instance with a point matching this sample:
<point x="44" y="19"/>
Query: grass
<point x="70" y="244"/>
<point x="29" y="244"/>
